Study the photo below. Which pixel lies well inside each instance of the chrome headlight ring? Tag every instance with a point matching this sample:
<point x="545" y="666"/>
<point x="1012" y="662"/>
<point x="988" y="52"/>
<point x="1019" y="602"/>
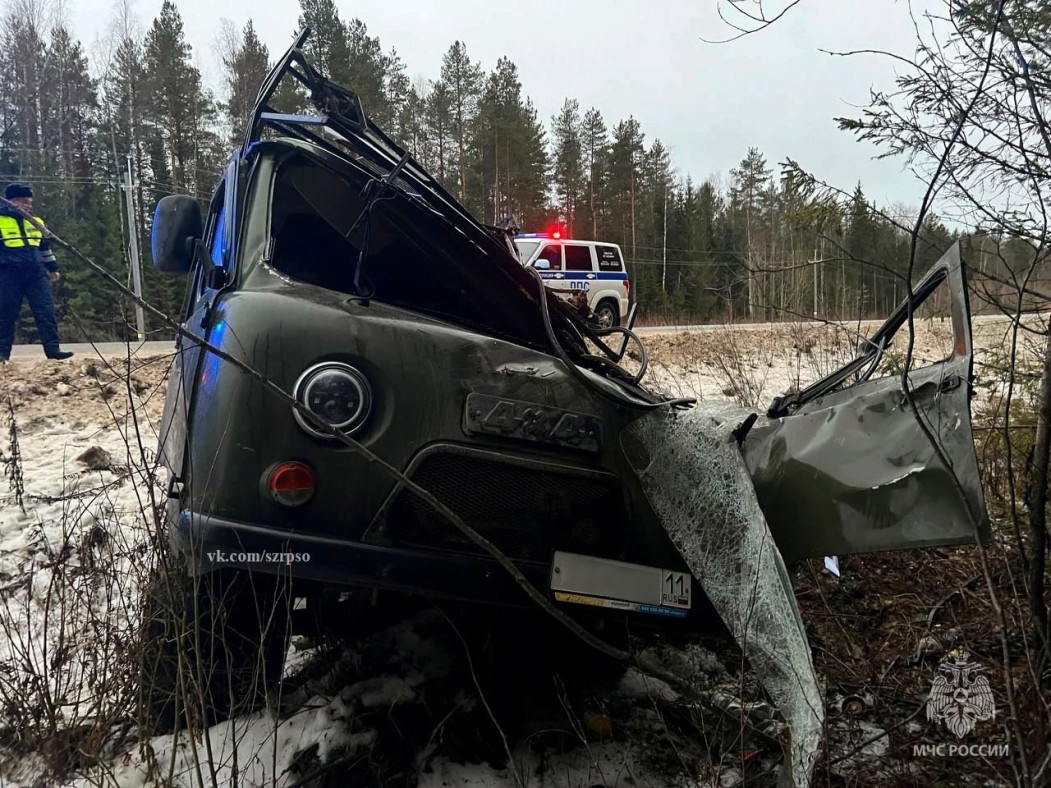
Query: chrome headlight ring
<point x="335" y="392"/>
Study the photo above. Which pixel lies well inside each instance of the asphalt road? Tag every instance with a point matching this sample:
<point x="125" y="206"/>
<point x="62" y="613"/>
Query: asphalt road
<point x="86" y="350"/>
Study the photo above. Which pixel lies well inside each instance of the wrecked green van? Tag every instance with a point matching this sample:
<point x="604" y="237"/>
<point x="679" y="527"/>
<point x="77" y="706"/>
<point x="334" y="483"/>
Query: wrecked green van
<point x="332" y="264"/>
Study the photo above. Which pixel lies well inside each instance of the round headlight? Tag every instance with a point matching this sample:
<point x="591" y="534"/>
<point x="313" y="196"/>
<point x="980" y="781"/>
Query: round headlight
<point x="336" y="393"/>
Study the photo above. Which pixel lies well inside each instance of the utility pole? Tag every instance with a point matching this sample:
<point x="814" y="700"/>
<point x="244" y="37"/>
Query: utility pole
<point x="133" y="241"/>
<point x="814" y="263"/>
<point x="664" y="272"/>
<point x="821" y="274"/>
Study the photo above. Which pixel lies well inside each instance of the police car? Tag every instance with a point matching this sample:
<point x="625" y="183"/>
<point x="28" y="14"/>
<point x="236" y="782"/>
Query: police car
<point x="569" y="267"/>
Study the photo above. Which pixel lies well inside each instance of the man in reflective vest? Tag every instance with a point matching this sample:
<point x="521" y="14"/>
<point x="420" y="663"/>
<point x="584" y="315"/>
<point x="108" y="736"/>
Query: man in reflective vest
<point x="27" y="269"/>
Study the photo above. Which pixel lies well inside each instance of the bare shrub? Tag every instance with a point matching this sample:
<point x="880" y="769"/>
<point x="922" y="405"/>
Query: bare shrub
<point x="69" y="620"/>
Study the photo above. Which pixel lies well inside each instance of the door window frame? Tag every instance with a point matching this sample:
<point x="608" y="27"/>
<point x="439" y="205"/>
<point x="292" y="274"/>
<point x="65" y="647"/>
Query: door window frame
<point x="561" y="256"/>
<point x="591" y="257"/>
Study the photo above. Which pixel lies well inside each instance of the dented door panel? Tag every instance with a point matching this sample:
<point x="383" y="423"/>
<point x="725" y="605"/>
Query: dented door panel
<point x="851" y="471"/>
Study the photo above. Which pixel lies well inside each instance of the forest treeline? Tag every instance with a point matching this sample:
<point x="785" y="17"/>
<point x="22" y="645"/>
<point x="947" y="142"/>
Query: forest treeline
<point x="697" y="249"/>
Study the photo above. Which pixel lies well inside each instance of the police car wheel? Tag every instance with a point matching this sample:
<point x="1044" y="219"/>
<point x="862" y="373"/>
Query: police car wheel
<point x="606" y="315"/>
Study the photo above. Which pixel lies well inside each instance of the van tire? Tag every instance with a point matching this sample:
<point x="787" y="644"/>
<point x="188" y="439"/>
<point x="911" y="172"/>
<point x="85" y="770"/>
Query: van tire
<point x="225" y="632"/>
<point x="606" y="314"/>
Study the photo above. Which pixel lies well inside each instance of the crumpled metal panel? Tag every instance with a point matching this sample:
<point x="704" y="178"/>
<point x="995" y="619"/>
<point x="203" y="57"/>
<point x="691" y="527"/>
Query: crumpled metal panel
<point x="852" y="472"/>
<point x="694" y="477"/>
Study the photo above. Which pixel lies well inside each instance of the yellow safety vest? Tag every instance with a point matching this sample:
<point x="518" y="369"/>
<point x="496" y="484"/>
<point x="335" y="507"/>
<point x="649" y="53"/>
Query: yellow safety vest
<point x="11" y="231"/>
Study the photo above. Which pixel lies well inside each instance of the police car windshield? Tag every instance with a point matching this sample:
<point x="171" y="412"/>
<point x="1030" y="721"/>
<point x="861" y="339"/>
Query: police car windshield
<point x="526" y="248"/>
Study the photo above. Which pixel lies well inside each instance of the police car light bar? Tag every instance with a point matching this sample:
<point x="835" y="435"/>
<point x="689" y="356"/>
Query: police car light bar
<point x="556" y="235"/>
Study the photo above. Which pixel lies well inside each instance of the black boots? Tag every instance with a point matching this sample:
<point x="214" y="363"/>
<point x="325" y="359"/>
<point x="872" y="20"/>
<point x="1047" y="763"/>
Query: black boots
<point x="58" y="354"/>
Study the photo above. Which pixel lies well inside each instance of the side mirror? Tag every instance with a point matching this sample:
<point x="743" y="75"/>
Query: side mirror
<point x="542" y="264"/>
<point x="177" y="226"/>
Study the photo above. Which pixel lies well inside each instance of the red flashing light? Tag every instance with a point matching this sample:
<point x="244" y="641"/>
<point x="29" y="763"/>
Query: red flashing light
<point x="556" y="234"/>
<point x="291" y="483"/>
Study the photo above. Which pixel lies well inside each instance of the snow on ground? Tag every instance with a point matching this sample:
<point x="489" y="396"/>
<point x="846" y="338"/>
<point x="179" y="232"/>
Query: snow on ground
<point x="754" y="364"/>
<point x="72" y="550"/>
<point x="397" y="700"/>
<point x="418" y="689"/>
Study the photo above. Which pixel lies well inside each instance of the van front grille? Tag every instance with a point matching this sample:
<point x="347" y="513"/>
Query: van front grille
<point x="526" y="509"/>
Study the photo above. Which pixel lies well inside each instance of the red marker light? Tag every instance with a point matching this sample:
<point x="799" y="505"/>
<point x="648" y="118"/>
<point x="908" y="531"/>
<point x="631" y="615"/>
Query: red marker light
<point x="291" y="483"/>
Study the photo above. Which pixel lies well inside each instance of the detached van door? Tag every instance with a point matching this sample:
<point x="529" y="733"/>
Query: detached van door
<point x="844" y="466"/>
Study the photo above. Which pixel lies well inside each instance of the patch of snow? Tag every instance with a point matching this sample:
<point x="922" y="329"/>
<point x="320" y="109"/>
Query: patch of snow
<point x="249" y="751"/>
<point x="384" y="690"/>
<point x="635" y="684"/>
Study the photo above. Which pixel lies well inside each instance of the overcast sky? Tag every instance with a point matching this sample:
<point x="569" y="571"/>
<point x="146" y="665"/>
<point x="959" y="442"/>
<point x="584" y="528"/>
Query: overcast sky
<point x="708" y="103"/>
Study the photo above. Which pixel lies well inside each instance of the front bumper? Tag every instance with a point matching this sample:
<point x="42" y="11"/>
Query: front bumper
<point x="210" y="543"/>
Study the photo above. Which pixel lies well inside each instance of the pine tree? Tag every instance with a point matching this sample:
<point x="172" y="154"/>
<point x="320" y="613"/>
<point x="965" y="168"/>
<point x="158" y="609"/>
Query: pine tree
<point x="568" y="161"/>
<point x="172" y="87"/>
<point x="594" y="164"/>
<point x="246" y="70"/>
<point x="179" y="118"/>
<point x="368" y="74"/>
<point x="69" y="105"/>
<point x="464" y="80"/>
<point x="658" y="187"/>
<point x="528" y="168"/>
<point x="412" y="127"/>
<point x="703" y="208"/>
<point x="625" y="157"/>
<point x="328" y="46"/>
<point x="747" y="195"/>
<point x="439" y="119"/>
<point x="25" y="79"/>
<point x="121" y="132"/>
<point x="862" y="247"/>
<point x="509" y="152"/>
<point x="122" y="108"/>
<point x="396" y="97"/>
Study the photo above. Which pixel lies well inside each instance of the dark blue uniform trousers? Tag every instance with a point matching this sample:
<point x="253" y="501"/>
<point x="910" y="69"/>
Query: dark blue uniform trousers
<point x="28" y="281"/>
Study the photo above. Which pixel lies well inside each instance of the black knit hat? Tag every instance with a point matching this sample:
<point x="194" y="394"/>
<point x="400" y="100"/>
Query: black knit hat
<point x="16" y="190"/>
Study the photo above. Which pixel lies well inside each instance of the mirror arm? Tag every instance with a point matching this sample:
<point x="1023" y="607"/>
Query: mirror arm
<point x="215" y="275"/>
<point x="197" y="250"/>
